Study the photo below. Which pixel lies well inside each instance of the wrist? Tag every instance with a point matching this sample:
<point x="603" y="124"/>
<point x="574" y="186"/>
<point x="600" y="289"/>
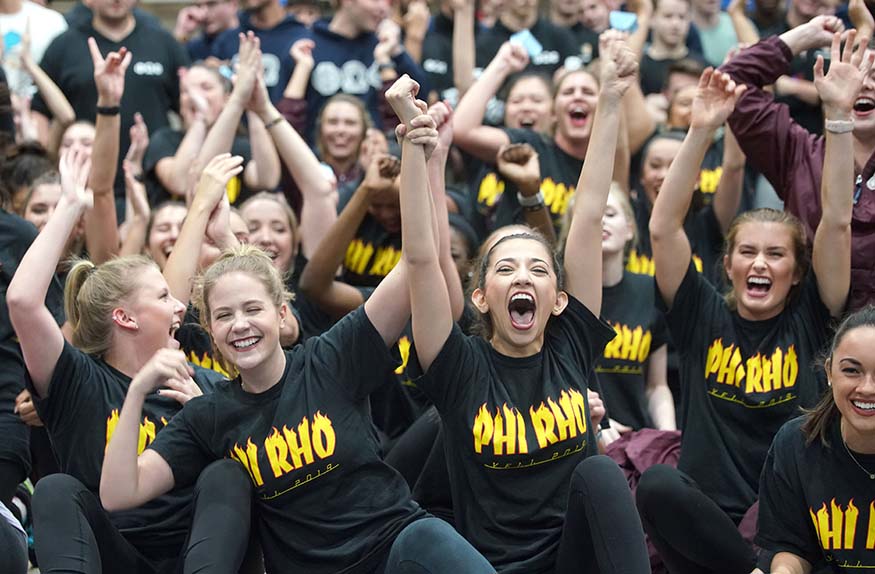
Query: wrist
<point x="837" y="113"/>
<point x="107" y="101"/>
<point x="796" y="39"/>
<point x="269" y="114"/>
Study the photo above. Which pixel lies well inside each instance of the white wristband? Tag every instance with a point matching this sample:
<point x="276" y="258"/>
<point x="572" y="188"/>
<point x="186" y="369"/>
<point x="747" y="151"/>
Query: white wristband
<point x="536" y="200"/>
<point x="839" y="126"/>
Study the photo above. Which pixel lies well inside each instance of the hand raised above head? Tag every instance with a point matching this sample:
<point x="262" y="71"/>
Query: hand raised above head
<point x="848" y="69"/>
<point x="109" y="74"/>
<point x="214" y="179"/>
<point x="402" y="97"/>
<point x="619" y="66"/>
<point x="74" y="167"/>
<point x="518" y="163"/>
<point x="715" y="99"/>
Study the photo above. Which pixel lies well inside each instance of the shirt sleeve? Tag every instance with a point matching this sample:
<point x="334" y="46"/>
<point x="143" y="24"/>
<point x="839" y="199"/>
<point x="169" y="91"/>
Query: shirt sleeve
<point x="452" y="372"/>
<point x="183" y="443"/>
<point x="696" y="303"/>
<point x="784" y="523"/>
<point x="586" y="334"/>
<point x="73" y="389"/>
<point x="352" y="354"/>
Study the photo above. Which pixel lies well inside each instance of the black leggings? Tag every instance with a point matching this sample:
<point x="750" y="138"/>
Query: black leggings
<point x="691" y="533"/>
<point x="602" y="532"/>
<point x="74" y="535"/>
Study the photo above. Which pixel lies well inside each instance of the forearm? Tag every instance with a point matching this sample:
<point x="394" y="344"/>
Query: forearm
<point x="413" y="45"/>
<point x="436" y="169"/>
<point x="660" y="404"/>
<point x="417" y="219"/>
<point x="676" y="193"/>
<point x="182" y="160"/>
<point x="101" y="231"/>
<point x="804" y="90"/>
<point x="472" y="108"/>
<point x="786" y="563"/>
<point x="264" y="155"/>
<point x="119" y="478"/>
<point x="640" y="124"/>
<point x="728" y="195"/>
<point x="135" y="238"/>
<point x="296" y="89"/>
<point x="181" y="266"/>
<point x="320" y="271"/>
<point x="538" y="218"/>
<point x="463" y="48"/>
<point x="56" y="101"/>
<point x="297" y="157"/>
<point x="745" y="30"/>
<point x="220" y="137"/>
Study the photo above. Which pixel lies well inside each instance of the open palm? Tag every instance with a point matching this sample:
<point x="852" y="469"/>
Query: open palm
<point x="838" y="89"/>
<point x="715" y="99"/>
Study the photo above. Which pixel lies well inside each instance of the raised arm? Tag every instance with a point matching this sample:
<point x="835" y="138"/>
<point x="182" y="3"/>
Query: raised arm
<point x="101" y="231"/>
<point x="469" y="133"/>
<point x="263" y="171"/>
<point x="302" y="53"/>
<point x="209" y="201"/>
<point x="463" y="45"/>
<point x="831" y="256"/>
<point x="727" y="198"/>
<point x="583" y="250"/>
<point x="429" y="299"/>
<point x="126" y="479"/>
<point x="38" y="333"/>
<point x="318" y="280"/>
<point x="745" y="30"/>
<point x="714" y="101"/>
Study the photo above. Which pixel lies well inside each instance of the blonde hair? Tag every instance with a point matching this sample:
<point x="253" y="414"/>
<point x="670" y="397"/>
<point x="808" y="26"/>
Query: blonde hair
<point x="247" y="259"/>
<point x="92" y="292"/>
<point x="617" y="192"/>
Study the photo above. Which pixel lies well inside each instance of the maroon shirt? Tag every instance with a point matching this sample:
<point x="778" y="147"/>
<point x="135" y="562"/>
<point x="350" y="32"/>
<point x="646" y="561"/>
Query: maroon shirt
<point x="791" y="158"/>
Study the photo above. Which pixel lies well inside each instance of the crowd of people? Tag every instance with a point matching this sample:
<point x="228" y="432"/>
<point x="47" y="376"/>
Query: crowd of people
<point x="383" y="287"/>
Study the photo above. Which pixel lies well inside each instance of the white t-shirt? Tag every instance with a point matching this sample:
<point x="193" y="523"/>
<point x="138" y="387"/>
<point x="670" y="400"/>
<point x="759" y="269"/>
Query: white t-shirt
<point x="45" y="25"/>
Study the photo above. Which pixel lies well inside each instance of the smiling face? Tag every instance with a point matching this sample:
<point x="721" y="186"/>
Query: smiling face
<point x="660" y="153"/>
<point x="166" y="224"/>
<point x="156" y="312"/>
<point x="864" y="108"/>
<point x="271" y="231"/>
<point x="573" y="107"/>
<point x="851" y="370"/>
<point x="519" y="293"/>
<point x="528" y="105"/>
<point x="762" y="268"/>
<point x="342" y="130"/>
<point x="244" y="321"/>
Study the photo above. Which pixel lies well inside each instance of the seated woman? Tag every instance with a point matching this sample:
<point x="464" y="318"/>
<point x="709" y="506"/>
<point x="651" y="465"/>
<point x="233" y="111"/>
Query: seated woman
<point x="527" y="489"/>
<point x="299" y="422"/>
<point x="744" y="359"/>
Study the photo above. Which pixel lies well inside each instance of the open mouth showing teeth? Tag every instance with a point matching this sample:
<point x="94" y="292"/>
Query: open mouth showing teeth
<point x="522" y="311"/>
<point x="864" y="406"/>
<point x="527" y="123"/>
<point x="173" y="329"/>
<point x="578" y="116"/>
<point x="245" y="343"/>
<point x="864" y="105"/>
<point x="759" y="285"/>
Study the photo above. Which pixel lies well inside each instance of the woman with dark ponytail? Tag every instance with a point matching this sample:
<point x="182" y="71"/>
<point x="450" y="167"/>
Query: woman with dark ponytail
<point x="817" y="490"/>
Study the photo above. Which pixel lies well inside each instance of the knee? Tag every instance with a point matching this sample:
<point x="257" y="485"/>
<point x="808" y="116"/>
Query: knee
<point x="431" y="545"/>
<point x="54" y="491"/>
<point x="596" y="471"/>
<point x="659" y="485"/>
<point x="223" y="475"/>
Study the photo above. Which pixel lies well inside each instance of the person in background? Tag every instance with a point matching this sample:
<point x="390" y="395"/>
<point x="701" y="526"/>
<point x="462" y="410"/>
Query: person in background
<point x="210" y="18"/>
<point x="669" y="27"/>
<point x="307" y="12"/>
<point x="715" y="30"/>
<point x="17" y="19"/>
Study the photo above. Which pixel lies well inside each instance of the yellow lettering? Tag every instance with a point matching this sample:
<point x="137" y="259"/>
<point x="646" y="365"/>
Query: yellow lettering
<point x="404" y="351"/>
<point x="772" y="371"/>
<point x="386" y="259"/>
<point x="299" y="443"/>
<point x="870" y="534"/>
<point x="851" y="515"/>
<point x="644" y="350"/>
<point x="358" y="255"/>
<point x="612" y="349"/>
<point x="709" y="179"/>
<point x="482" y="429"/>
<point x="147" y="435"/>
<point x="324" y="439"/>
<point x="521" y="434"/>
<point x="491" y="188"/>
<point x="503" y="440"/>
<point x="249" y="460"/>
<point x="578" y="405"/>
<point x="564" y="423"/>
<point x="544" y="423"/>
<point x="791" y="367"/>
<point x="277" y="453"/>
<point x="754" y="375"/>
<point x="715" y="352"/>
<point x="631" y="342"/>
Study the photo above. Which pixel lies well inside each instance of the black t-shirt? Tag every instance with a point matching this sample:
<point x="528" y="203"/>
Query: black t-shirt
<point x="702" y="229"/>
<point x="588" y="42"/>
<point x="81" y="412"/>
<point x="630" y="307"/>
<point x="16" y="236"/>
<point x="371" y="255"/>
<point x="529" y="421"/>
<point x="494" y="201"/>
<point x="741" y="380"/>
<point x="559" y="46"/>
<point x="654" y="73"/>
<point x="151" y="82"/>
<point x="816" y="503"/>
<point x="326" y="501"/>
<point x="164" y="143"/>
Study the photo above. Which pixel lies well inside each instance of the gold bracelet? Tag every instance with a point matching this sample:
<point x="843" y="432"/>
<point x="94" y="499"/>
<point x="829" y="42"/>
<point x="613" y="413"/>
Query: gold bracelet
<point x="273" y="122"/>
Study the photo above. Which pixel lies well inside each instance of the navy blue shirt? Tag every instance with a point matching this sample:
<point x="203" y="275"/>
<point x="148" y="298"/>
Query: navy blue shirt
<point x="275" y="45"/>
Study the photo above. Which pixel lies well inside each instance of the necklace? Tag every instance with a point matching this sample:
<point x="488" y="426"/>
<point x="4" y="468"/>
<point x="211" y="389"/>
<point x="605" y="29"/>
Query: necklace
<point x="857" y="462"/>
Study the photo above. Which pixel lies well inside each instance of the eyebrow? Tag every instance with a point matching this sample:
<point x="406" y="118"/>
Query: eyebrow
<point x="851" y="360"/>
<point x="515" y="260"/>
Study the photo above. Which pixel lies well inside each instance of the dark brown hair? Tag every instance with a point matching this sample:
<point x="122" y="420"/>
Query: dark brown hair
<point x="819" y="419"/>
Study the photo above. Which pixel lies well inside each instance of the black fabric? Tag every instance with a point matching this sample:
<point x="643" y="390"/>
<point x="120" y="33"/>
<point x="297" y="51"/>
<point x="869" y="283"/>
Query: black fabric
<point x="741" y="380"/>
<point x="80" y="413"/>
<point x="371" y="255"/>
<point x="13" y="558"/>
<point x="16" y="236"/>
<point x="164" y="143"/>
<point x="151" y="83"/>
<point x="703" y="231"/>
<point x="411" y="451"/>
<point x="326" y="502"/>
<point x="654" y="73"/>
<point x="815" y="502"/>
<point x="529" y="420"/>
<point x="437" y="58"/>
<point x="630" y="307"/>
<point x="560" y="47"/>
<point x="588" y="42"/>
<point x="602" y="531"/>
<point x="692" y="534"/>
<point x="493" y="200"/>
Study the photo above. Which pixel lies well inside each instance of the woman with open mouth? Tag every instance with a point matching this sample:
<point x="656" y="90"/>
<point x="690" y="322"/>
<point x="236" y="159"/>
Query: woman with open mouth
<point x="526" y="487"/>
<point x="755" y="347"/>
<point x="299" y="422"/>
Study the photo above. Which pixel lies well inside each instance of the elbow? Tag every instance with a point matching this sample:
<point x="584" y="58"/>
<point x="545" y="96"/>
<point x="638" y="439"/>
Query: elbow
<point x="111" y="501"/>
<point x="658" y="230"/>
<point x="66" y="117"/>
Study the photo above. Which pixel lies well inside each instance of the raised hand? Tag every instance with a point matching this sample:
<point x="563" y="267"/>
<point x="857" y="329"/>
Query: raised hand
<point x="442" y="114"/>
<point x="861" y="18"/>
<point x="422" y="132"/>
<point x="512" y="57"/>
<point x="402" y="97"/>
<point x="848" y="69"/>
<point x="210" y="189"/>
<point x="388" y="41"/>
<point x="619" y="66"/>
<point x="416" y="19"/>
<point x="381" y="173"/>
<point x="259" y="101"/>
<point x="139" y="142"/>
<point x="518" y="163"/>
<point x="109" y="74"/>
<point x="188" y="21"/>
<point x="135" y="193"/>
<point x="302" y="52"/>
<point x="248" y="67"/>
<point x="169" y="372"/>
<point x="816" y="33"/>
<point x="715" y="99"/>
<point x="74" y="167"/>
